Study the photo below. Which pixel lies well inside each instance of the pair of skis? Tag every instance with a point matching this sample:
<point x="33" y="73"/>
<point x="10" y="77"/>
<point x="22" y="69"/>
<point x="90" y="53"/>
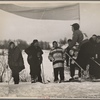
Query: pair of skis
<point x="95" y="61"/>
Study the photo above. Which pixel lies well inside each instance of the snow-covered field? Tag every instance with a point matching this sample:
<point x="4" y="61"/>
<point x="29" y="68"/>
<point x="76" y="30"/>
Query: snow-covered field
<point x="51" y="90"/>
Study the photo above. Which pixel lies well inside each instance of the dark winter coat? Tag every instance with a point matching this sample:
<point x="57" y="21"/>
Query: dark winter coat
<point x="15" y="59"/>
<point x="97" y="52"/>
<point x="95" y="68"/>
<point x="86" y="51"/>
<point x="34" y="55"/>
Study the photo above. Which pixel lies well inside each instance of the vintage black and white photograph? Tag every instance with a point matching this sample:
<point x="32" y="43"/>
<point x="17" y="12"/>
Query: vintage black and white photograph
<point x="50" y="49"/>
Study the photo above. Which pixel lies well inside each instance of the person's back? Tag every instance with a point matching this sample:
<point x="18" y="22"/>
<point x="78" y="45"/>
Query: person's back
<point x="87" y="50"/>
<point x="78" y="36"/>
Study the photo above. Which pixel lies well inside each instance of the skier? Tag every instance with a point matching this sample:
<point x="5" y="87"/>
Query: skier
<point x="56" y="56"/>
<point x="35" y="60"/>
<point x="15" y="61"/>
<point x="78" y="37"/>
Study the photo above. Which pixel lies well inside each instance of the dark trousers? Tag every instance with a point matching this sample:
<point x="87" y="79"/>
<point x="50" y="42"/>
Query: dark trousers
<point x="72" y="70"/>
<point x="60" y="71"/>
<point x="39" y="74"/>
<point x="80" y="72"/>
<point x="67" y="60"/>
<point x="94" y="70"/>
<point x="15" y="75"/>
<point x="82" y="63"/>
<point x="35" y="72"/>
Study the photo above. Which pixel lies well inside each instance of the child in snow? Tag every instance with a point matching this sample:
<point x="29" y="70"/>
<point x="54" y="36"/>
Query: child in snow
<point x="56" y="56"/>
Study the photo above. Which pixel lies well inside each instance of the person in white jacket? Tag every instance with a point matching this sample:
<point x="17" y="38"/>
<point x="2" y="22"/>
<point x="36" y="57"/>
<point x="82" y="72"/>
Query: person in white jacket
<point x="56" y="56"/>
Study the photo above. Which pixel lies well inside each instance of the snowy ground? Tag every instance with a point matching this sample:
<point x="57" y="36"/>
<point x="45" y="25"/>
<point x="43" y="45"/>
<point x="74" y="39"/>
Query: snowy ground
<point x="49" y="90"/>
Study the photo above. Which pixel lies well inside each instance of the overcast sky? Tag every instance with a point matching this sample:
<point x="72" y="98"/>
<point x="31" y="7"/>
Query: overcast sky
<point x="17" y="27"/>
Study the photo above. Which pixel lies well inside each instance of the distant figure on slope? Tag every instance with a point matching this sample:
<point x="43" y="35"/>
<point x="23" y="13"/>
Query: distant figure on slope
<point x="15" y="61"/>
<point x="35" y="60"/>
<point x="56" y="56"/>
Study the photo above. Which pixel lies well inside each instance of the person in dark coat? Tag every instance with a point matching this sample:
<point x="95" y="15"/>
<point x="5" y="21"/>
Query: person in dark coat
<point x="94" y="69"/>
<point x="35" y="60"/>
<point x="87" y="50"/>
<point x="15" y="61"/>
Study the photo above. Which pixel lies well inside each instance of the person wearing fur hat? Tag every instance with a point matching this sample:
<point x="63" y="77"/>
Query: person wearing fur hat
<point x="34" y="53"/>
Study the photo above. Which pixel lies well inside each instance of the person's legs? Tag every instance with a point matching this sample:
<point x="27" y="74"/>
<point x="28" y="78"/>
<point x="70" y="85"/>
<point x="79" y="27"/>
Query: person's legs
<point x="61" y="70"/>
<point x="33" y="73"/>
<point x="55" y="74"/>
<point x="72" y="70"/>
<point x="15" y="75"/>
<point x="79" y="73"/>
<point x="67" y="61"/>
<point x="16" y="79"/>
<point x="39" y="74"/>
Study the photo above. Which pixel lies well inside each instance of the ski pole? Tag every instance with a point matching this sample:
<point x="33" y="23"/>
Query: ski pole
<point x="95" y="61"/>
<point x="75" y="62"/>
<point x="82" y="70"/>
<point x="43" y="73"/>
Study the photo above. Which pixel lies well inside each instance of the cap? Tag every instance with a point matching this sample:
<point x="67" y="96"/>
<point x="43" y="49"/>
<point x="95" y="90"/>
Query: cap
<point x="76" y="26"/>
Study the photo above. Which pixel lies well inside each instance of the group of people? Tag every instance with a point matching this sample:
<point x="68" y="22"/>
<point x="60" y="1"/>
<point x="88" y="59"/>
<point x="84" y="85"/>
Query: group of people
<point x="16" y="62"/>
<point x="82" y="54"/>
